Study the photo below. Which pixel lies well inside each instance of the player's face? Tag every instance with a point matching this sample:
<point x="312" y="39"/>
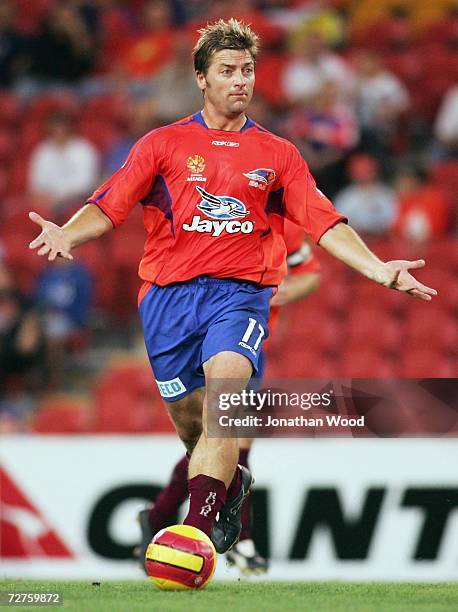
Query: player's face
<point x="228" y="84"/>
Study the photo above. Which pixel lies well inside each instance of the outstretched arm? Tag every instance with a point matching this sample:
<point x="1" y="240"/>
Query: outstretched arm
<point x="88" y="223"/>
<point x="345" y="244"/>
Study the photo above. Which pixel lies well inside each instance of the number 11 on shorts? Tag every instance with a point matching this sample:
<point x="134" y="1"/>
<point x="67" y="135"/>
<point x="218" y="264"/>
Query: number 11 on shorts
<point x="249" y="332"/>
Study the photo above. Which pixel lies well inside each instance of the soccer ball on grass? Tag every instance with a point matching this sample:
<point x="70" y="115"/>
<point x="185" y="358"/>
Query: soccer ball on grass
<point x="180" y="557"/>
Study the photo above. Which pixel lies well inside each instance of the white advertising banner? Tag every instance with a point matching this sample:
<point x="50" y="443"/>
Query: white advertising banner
<point x="350" y="509"/>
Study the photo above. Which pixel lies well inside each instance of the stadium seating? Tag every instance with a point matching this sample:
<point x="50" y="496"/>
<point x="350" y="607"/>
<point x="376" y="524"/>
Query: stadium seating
<point x="437" y="330"/>
<point x="102" y="134"/>
<point x="62" y="414"/>
<point x="426" y="363"/>
<point x="7" y="145"/>
<point x="111" y="108"/>
<point x="304" y="362"/>
<point x="127" y="401"/>
<point x="4" y="180"/>
<point x="29" y="14"/>
<point x="335" y="298"/>
<point x="360" y="361"/>
<point x="61" y="100"/>
<point x="16" y="232"/>
<point x="10" y="109"/>
<point x="445" y="176"/>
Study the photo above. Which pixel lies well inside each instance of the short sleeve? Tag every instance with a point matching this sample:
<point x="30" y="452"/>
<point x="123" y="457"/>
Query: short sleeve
<point x="304" y="204"/>
<point x="129" y="185"/>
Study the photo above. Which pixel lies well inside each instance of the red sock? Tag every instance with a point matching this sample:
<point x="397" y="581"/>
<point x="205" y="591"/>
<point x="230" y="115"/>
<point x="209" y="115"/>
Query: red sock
<point x="207" y="496"/>
<point x="170" y="499"/>
<point x="245" y="514"/>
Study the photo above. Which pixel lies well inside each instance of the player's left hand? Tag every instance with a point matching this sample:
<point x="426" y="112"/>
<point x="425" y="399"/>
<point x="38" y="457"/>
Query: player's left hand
<point x="396" y="275"/>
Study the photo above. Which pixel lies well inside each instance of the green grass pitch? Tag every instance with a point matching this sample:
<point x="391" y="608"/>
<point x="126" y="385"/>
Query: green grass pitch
<point x="130" y="596"/>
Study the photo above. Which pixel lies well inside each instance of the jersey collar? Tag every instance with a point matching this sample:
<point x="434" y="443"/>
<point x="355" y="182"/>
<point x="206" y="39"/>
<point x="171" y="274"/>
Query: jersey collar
<point x="248" y="123"/>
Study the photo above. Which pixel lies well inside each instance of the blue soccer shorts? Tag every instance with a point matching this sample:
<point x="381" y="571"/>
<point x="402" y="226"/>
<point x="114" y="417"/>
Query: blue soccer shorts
<point x="184" y="324"/>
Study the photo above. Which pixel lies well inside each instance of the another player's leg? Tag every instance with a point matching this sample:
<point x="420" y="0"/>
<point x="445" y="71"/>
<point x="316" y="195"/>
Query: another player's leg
<point x="244" y="554"/>
<point x="213" y="464"/>
<point x="169" y="500"/>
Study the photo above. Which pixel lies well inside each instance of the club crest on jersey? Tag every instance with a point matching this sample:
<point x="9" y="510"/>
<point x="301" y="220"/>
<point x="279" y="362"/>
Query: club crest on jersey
<point x="221" y="207"/>
<point x="196" y="165"/>
<point x="224" y="212"/>
<point x="260" y="178"/>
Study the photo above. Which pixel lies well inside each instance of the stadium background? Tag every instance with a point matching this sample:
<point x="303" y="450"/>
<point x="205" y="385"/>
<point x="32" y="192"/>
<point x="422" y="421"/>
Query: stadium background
<point x="111" y="70"/>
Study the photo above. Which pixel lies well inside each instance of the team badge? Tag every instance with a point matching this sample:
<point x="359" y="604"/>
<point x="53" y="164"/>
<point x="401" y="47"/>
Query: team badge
<point x="221" y="207"/>
<point x="260" y="178"/>
<point x="196" y="164"/>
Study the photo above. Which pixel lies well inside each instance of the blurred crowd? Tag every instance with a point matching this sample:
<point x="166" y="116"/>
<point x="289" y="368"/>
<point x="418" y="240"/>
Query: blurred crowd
<point x="367" y="91"/>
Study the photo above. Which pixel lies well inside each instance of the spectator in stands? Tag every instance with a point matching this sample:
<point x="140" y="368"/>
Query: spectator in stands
<point x="14" y="47"/>
<point x="20" y="337"/>
<point x="325" y="132"/>
<point x="19" y="354"/>
<point x="91" y="13"/>
<point x="313" y="64"/>
<point x="443" y="29"/>
<point x="446" y="127"/>
<point x="423" y="212"/>
<point x="263" y="113"/>
<point x="175" y="93"/>
<point x="64" y="296"/>
<point x="324" y="17"/>
<point x="64" y="167"/>
<point x="111" y="23"/>
<point x="142" y="117"/>
<point x="399" y="31"/>
<point x="144" y="53"/>
<point x="62" y="50"/>
<point x="244" y="10"/>
<point x="393" y="32"/>
<point x="369" y="204"/>
<point x="382" y="99"/>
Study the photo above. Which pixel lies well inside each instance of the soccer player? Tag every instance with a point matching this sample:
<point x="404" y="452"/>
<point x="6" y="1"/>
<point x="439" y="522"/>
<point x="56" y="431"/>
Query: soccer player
<point x="215" y="188"/>
<point x="302" y="280"/>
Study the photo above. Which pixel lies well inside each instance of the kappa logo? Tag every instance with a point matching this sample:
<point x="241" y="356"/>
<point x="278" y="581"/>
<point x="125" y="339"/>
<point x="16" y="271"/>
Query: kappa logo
<point x="226" y="212"/>
<point x="260" y="178"/>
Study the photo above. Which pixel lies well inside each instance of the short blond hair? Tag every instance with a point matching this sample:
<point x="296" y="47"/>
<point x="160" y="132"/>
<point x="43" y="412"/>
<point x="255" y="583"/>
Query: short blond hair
<point x="231" y="34"/>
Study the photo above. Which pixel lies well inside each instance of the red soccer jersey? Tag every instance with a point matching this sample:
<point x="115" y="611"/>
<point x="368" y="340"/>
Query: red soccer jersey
<point x="214" y="201"/>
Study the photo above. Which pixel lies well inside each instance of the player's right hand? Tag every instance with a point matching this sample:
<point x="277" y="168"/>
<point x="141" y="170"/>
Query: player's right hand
<point x="52" y="241"/>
